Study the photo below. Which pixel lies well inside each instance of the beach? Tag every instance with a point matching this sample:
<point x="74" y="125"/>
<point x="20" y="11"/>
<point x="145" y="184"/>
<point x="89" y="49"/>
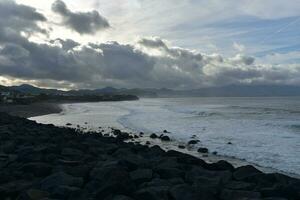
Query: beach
<point x="31" y="110"/>
<point x="62" y="163"/>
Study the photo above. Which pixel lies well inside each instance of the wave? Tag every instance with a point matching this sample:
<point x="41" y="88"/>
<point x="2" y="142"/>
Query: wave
<point x="205" y="113"/>
<point x="294" y="127"/>
<point x="231" y="111"/>
<point x="264" y="110"/>
<point x="192" y="111"/>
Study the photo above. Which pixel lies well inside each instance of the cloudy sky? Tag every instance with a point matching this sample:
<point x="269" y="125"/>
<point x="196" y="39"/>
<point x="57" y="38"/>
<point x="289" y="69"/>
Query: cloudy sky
<point x="180" y="44"/>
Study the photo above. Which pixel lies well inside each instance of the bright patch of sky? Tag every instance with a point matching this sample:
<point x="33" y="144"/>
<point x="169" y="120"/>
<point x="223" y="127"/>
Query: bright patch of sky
<point x="210" y="26"/>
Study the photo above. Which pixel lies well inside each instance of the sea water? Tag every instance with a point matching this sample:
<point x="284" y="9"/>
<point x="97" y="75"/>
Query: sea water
<point x="263" y="131"/>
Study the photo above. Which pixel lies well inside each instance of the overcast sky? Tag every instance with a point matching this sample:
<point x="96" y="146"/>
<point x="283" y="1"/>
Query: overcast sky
<point x="179" y="44"/>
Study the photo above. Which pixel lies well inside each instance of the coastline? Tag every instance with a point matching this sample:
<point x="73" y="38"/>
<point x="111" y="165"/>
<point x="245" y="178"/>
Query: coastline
<point x="51" y="104"/>
<point x="64" y="163"/>
<point x="32" y="110"/>
<point x="210" y="157"/>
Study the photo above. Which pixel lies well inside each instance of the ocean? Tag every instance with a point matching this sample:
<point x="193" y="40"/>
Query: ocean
<point x="262" y="131"/>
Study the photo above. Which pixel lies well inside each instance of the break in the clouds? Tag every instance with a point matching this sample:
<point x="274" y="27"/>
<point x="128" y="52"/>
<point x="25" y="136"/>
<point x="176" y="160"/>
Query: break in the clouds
<point x="81" y="22"/>
<point x="147" y="62"/>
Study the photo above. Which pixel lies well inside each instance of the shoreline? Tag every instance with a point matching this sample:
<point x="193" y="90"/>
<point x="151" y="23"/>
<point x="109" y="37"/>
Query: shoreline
<point x="210" y="157"/>
<point x="32" y="110"/>
<point x="64" y="163"/>
<point x="189" y="149"/>
<point x="51" y="104"/>
<point x="47" y="108"/>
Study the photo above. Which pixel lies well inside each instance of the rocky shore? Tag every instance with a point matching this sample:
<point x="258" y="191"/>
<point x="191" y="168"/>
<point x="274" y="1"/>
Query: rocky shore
<point x="46" y="162"/>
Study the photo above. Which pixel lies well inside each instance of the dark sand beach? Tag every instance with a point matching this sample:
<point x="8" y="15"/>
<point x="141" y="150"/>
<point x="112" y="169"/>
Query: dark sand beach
<point x="31" y="110"/>
<point x="46" y="162"/>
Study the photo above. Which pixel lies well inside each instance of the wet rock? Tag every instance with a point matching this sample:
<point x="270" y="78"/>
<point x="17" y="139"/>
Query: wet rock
<point x="141" y="175"/>
<point x="221" y="165"/>
<point x="209" y="184"/>
<point x="4" y="157"/>
<point x="183" y="192"/>
<point x="119" y="197"/>
<point x="191" y="142"/>
<point x="176" y="181"/>
<point x="26" y="154"/>
<point x="157" y="150"/>
<point x="169" y="173"/>
<point x="71" y="152"/>
<point x="156" y="182"/>
<point x="111" y="179"/>
<point x="5" y="177"/>
<point x="165" y="138"/>
<point x="117" y="132"/>
<point x="123" y="136"/>
<point x="38" y="169"/>
<point x="13" y="189"/>
<point x="153" y="193"/>
<point x="60" y="179"/>
<point x="181" y="146"/>
<point x="289" y="191"/>
<point x="239" y="185"/>
<point x="165" y="131"/>
<point x="243" y="172"/>
<point x="8" y="147"/>
<point x="50" y="158"/>
<point x="63" y="191"/>
<point x="195" y="173"/>
<point x="68" y="124"/>
<point x="239" y="194"/>
<point x="202" y="150"/>
<point x="153" y="136"/>
<point x="34" y="194"/>
<point x="69" y="162"/>
<point x="225" y="176"/>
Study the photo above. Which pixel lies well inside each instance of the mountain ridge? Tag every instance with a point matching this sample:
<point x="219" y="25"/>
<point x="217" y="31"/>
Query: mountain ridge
<point x="224" y="91"/>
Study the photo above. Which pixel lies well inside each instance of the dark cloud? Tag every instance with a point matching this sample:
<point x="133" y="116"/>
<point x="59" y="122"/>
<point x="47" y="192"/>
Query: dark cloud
<point x="26" y="13"/>
<point x="123" y="61"/>
<point x="81" y="22"/>
<point x="151" y="63"/>
<point x="153" y="43"/>
<point x="66" y="45"/>
<point x="15" y="18"/>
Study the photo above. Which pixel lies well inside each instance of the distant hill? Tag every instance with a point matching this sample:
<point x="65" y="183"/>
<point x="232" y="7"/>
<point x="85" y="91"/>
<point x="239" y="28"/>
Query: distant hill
<point x="29" y="89"/>
<point x="234" y="91"/>
<point x="225" y="91"/>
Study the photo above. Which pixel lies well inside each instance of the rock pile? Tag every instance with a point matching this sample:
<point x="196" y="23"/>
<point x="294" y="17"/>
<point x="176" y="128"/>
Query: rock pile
<point x="45" y="162"/>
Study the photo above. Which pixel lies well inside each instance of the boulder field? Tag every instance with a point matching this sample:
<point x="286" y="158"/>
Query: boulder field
<point x="46" y="162"/>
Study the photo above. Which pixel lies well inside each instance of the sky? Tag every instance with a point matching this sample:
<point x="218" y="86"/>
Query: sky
<point x="179" y="44"/>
